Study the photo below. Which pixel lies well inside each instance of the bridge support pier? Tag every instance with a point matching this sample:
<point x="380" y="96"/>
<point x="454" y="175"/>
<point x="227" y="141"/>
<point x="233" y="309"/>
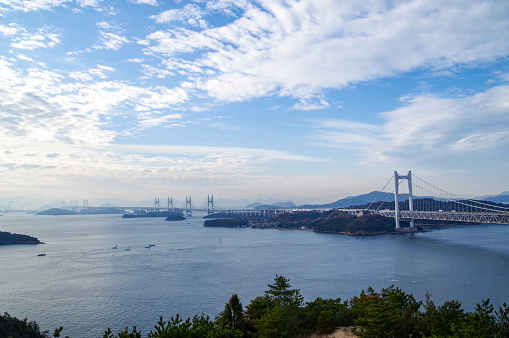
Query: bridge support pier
<point x="408" y="177"/>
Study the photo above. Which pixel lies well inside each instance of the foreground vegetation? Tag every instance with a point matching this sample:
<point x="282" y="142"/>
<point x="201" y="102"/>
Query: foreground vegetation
<point x="282" y="312"/>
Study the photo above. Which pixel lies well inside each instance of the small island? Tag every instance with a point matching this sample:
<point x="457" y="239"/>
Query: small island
<point x="175" y="217"/>
<point x="7" y="238"/>
<point x="226" y="223"/>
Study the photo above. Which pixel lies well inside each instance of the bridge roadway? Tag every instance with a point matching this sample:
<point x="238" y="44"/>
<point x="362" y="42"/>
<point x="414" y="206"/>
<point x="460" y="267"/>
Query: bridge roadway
<point x="472" y="217"/>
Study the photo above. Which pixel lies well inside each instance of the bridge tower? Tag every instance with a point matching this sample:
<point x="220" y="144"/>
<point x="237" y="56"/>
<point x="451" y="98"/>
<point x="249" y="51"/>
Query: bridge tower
<point x="157" y="206"/>
<point x="210" y="204"/>
<point x="407" y="177"/>
<point x="188" y="206"/>
<point x="170" y="203"/>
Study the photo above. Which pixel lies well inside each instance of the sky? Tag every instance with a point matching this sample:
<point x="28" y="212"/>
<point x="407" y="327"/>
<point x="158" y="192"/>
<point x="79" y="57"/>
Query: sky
<point x="310" y="100"/>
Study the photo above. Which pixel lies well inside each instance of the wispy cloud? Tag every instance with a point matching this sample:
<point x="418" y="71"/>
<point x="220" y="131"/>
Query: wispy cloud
<point x="43" y="38"/>
<point x="429" y="131"/>
<point x="150" y="121"/>
<point x="37" y="5"/>
<point x="217" y="152"/>
<point x="144" y="2"/>
<point x="190" y="14"/>
<point x="109" y="40"/>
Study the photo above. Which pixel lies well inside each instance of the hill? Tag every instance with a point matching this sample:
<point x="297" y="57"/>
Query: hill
<point x="498" y="199"/>
<point x="57" y="212"/>
<point x="7" y="238"/>
<point x="355" y="200"/>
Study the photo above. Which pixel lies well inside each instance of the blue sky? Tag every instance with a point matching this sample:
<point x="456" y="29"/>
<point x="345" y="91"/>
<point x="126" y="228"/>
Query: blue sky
<point x="293" y="100"/>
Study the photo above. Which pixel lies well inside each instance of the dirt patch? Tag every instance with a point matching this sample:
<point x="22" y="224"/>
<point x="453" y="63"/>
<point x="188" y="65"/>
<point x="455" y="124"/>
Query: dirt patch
<point x="340" y="332"/>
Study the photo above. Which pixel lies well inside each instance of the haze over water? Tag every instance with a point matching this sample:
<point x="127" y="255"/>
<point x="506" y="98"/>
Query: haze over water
<point x="86" y="286"/>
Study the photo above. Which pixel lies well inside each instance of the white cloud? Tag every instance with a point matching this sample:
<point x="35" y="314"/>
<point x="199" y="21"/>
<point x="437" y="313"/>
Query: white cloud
<point x="301" y="48"/>
<point x="24" y="57"/>
<point x="144" y="2"/>
<point x="107" y="25"/>
<point x="111" y="41"/>
<point x="190" y="13"/>
<point x="180" y="41"/>
<point x="44" y="38"/>
<point x="217" y="152"/>
<point x="312" y="104"/>
<point x="150" y="121"/>
<point x="92" y="73"/>
<point x="29" y="122"/>
<point x="430" y="131"/>
<point x="33" y="5"/>
<point x="11" y="29"/>
<point x="151" y="72"/>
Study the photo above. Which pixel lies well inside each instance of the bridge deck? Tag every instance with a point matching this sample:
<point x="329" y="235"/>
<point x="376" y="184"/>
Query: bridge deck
<point x="472" y="217"/>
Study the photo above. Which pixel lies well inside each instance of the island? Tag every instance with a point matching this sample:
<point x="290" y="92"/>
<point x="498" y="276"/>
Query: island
<point x="226" y="223"/>
<point x="175" y="217"/>
<point x="57" y="212"/>
<point x="7" y="238"/>
<point x="330" y="221"/>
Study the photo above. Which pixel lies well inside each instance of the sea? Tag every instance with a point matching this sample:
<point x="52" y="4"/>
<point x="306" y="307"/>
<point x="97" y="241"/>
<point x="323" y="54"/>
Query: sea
<point x="162" y="268"/>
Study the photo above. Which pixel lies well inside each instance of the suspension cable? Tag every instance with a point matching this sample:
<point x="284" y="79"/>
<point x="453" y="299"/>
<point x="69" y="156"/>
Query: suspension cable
<point x="380" y="193"/>
<point x="474" y="203"/>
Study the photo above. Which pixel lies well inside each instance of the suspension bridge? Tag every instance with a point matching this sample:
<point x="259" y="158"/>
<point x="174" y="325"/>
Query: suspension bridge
<point x="424" y="201"/>
<point x="417" y="200"/>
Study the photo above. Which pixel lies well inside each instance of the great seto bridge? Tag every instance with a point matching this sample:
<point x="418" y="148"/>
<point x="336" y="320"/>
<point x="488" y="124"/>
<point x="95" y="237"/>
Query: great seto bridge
<point x="416" y="200"/>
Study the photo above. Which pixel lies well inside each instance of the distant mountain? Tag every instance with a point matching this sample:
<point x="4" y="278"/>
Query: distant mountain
<point x="253" y="205"/>
<point x="108" y="205"/>
<point x="58" y="204"/>
<point x="484" y="197"/>
<point x="277" y="205"/>
<point x="498" y="198"/>
<point x="284" y="204"/>
<point x="43" y="207"/>
<point x="350" y="201"/>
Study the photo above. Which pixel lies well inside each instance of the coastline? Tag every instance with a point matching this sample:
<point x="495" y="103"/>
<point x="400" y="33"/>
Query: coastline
<point x="7" y="238"/>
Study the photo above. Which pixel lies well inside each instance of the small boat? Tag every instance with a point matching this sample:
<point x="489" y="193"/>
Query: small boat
<point x="114" y="247"/>
<point x="128" y="249"/>
<point x="41" y="254"/>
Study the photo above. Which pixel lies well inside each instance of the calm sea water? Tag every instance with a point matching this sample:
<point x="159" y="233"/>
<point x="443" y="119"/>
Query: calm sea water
<point x="86" y="286"/>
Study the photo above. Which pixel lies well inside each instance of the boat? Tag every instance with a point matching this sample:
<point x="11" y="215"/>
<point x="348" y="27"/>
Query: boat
<point x="114" y="247"/>
<point x="41" y="254"/>
<point x="128" y="249"/>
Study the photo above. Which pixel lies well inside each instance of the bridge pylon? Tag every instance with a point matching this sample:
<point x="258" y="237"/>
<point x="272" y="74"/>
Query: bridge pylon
<point x="170" y="203"/>
<point x="407" y="177"/>
<point x="210" y="204"/>
<point x="189" y="211"/>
